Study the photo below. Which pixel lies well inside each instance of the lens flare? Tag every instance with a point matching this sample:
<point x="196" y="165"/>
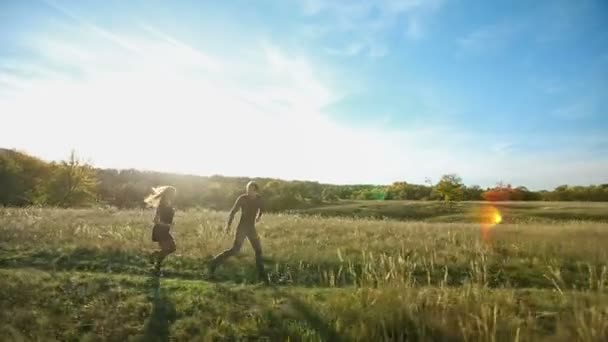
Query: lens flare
<point x="497" y="218"/>
<point x="489" y="216"/>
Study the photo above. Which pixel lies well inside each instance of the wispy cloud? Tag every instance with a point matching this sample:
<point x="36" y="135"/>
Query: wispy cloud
<point x="20" y="76"/>
<point x="563" y="19"/>
<point x="85" y="24"/>
<point x="576" y="111"/>
<point x="549" y="86"/>
<point x="487" y="38"/>
<point x="414" y="30"/>
<point x="503" y="148"/>
<point x="349" y="50"/>
<point x="368" y="21"/>
<point x="197" y="57"/>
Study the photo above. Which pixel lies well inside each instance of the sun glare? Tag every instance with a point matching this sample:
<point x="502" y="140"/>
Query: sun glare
<point x="489" y="216"/>
<point x="497" y="217"/>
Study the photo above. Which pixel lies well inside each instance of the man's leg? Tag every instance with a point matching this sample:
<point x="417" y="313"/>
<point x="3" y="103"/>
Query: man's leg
<point x="236" y="247"/>
<point x="252" y="235"/>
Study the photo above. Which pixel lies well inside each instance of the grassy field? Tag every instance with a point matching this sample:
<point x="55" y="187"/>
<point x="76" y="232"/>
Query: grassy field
<point x="84" y="275"/>
<point x="432" y="211"/>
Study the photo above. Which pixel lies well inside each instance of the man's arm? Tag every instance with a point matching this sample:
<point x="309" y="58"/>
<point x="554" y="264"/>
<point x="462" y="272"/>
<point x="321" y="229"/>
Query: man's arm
<point x="233" y="211"/>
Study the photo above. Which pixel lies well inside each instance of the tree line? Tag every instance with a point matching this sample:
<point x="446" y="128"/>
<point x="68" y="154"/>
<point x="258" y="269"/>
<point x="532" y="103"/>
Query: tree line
<point x="26" y="180"/>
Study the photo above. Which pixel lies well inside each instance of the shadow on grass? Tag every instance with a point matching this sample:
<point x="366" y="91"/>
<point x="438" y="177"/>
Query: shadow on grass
<point x="99" y="261"/>
<point x="403" y="326"/>
<point x="162" y="316"/>
<point x="241" y="269"/>
<point x="283" y="322"/>
<point x="92" y="260"/>
<point x="311" y="318"/>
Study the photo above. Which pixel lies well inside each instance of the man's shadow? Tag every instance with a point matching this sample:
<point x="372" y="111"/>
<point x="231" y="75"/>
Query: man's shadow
<point x="163" y="313"/>
<point x="305" y="313"/>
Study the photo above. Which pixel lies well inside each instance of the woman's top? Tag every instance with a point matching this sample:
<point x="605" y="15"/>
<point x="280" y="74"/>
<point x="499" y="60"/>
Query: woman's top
<point x="165" y="214"/>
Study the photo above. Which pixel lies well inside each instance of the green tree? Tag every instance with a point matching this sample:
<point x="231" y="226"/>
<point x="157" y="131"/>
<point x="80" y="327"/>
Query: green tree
<point x="371" y="193"/>
<point x="450" y="187"/>
<point x="473" y="193"/>
<point x="73" y="183"/>
<point x="330" y="194"/>
<point x="279" y="195"/>
<point x="21" y="178"/>
<point x="397" y="191"/>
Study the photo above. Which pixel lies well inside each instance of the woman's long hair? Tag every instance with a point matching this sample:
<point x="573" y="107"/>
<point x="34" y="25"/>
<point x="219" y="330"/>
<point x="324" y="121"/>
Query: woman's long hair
<point x="158" y="195"/>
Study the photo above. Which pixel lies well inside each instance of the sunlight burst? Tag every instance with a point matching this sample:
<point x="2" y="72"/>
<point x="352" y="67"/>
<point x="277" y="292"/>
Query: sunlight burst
<point x="489" y="216"/>
<point x="497" y="217"/>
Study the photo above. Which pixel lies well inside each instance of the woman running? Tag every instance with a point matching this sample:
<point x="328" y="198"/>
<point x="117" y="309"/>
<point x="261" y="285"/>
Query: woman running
<point x="162" y="199"/>
<point x="251" y="207"/>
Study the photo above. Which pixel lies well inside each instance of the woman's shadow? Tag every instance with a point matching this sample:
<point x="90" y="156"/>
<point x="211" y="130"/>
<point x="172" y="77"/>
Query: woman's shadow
<point x="163" y="313"/>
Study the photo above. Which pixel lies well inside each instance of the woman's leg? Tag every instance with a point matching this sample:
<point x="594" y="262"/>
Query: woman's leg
<point x="167" y="246"/>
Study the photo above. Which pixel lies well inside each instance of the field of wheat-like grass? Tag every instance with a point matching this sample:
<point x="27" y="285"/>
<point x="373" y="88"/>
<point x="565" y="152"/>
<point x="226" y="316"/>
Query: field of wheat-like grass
<point x="72" y="274"/>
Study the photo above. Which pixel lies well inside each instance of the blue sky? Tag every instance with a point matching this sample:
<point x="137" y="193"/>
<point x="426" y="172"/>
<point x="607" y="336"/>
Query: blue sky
<point x="335" y="91"/>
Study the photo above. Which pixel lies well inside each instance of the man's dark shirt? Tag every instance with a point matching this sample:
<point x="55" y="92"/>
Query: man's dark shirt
<point x="249" y="207"/>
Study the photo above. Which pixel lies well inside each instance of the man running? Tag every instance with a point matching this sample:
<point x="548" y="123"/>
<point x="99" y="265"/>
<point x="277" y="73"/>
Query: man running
<point x="251" y="206"/>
